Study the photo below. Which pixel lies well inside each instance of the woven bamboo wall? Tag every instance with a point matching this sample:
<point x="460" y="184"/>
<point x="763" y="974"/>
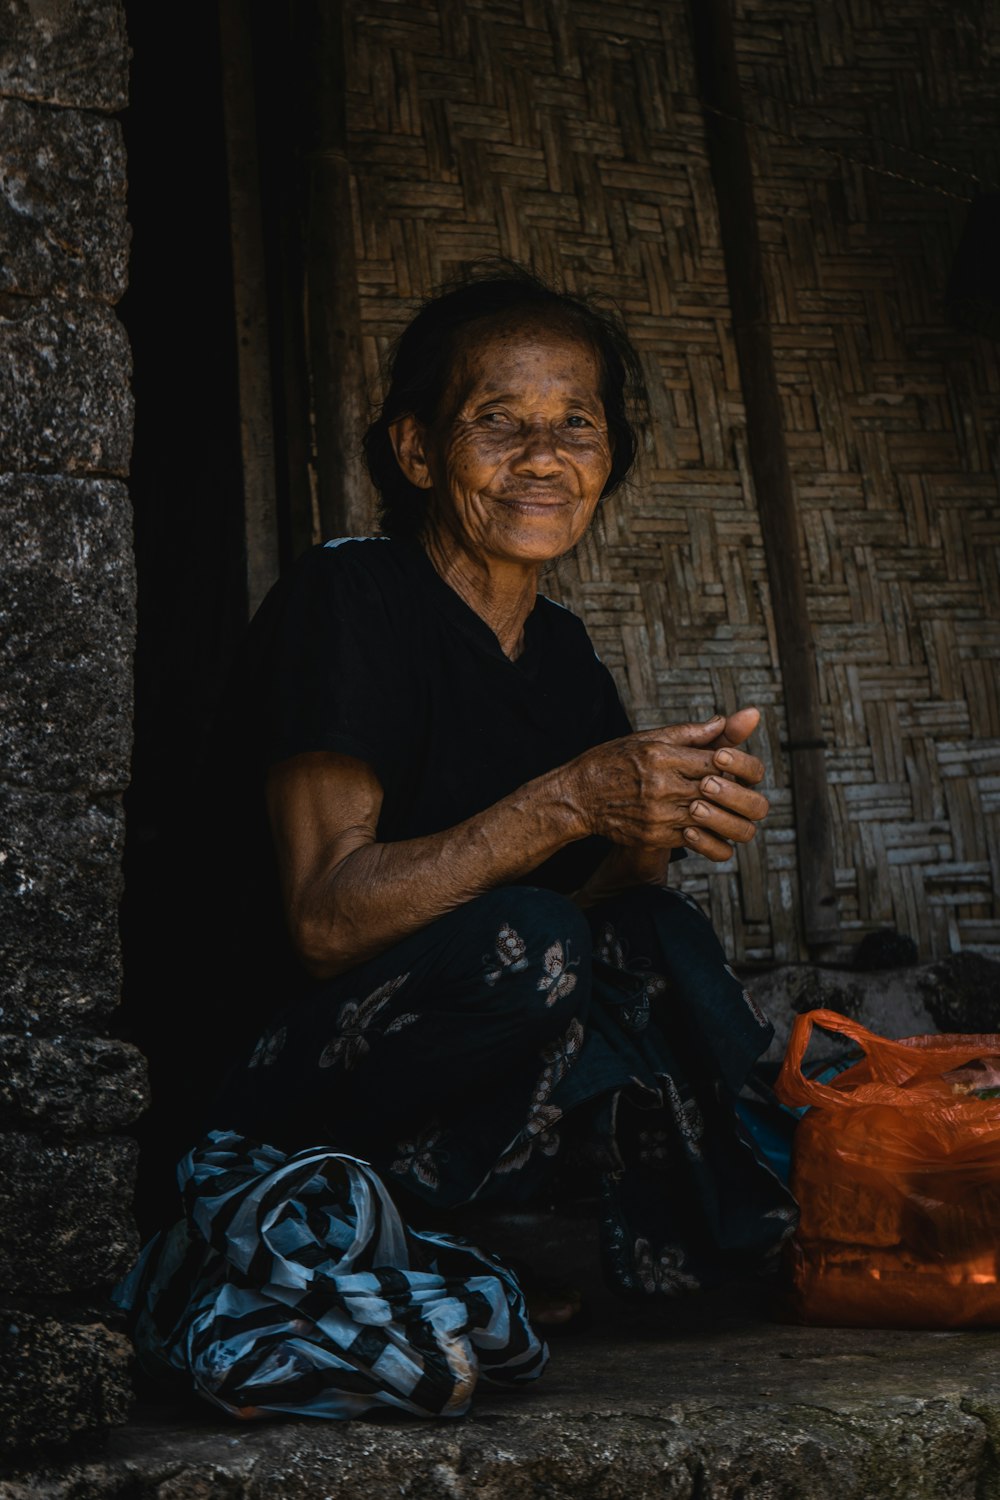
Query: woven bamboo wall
<point x="569" y="137"/>
<point x="893" y="421"/>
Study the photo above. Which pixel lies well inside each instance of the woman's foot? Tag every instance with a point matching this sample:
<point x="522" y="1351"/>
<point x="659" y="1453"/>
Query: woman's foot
<point x="552" y="1305"/>
<point x="556" y="1308"/>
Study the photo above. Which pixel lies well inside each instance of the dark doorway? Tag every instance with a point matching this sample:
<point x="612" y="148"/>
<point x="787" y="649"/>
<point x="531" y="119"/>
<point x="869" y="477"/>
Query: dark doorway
<point x="187" y="492"/>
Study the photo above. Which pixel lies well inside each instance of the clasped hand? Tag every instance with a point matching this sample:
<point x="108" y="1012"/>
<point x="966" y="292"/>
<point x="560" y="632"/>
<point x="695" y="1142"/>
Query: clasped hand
<point x="684" y="784"/>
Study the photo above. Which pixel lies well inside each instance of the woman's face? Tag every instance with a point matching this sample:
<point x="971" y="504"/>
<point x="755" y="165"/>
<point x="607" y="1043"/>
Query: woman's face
<point x="519" y="453"/>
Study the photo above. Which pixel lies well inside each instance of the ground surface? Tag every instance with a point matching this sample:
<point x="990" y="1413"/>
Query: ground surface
<point x="706" y="1400"/>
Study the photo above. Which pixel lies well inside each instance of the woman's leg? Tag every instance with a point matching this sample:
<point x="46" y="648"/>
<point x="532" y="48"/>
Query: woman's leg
<point x="435" y="1060"/>
<point x="687" y="1202"/>
<point x="665" y="936"/>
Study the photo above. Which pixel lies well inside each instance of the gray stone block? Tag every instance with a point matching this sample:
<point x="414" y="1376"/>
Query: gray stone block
<point x="67" y="627"/>
<point x="70" y="1086"/>
<point x="62" y="203"/>
<point x="962" y="992"/>
<point x="65" y="52"/>
<point x="957" y="993"/>
<point x="59" y="1379"/>
<point x="65" y="401"/>
<point x="60" y="882"/>
<point x="65" y="1214"/>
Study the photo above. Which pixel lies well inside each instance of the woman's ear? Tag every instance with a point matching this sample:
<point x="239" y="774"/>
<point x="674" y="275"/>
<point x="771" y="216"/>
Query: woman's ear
<point x="408" y="438"/>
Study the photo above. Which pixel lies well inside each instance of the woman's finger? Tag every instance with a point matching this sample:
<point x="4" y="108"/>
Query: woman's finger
<point x="740" y="725"/>
<point x="725" y="824"/>
<point x="703" y="842"/>
<point x="734" y="797"/>
<point x="739" y="764"/>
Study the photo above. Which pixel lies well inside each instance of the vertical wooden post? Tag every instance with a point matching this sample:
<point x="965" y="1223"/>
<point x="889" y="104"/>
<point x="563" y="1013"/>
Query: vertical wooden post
<point x="250" y="296"/>
<point x="729" y="156"/>
<point x="332" y="311"/>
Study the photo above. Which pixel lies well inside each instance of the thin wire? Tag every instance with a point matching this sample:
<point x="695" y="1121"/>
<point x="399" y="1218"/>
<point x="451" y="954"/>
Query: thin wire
<point x="866" y="166"/>
<point x="883" y="140"/>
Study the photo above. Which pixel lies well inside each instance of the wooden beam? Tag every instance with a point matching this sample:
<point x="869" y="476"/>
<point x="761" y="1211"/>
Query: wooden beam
<point x="250" y="297"/>
<point x="332" y="310"/>
<point x="732" y="176"/>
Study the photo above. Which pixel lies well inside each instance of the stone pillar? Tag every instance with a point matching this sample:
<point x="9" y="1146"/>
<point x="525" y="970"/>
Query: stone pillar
<point x="67" y="595"/>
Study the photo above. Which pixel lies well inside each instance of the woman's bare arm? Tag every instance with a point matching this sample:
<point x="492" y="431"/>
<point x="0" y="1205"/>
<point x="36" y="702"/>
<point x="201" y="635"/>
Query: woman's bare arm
<point x="348" y="897"/>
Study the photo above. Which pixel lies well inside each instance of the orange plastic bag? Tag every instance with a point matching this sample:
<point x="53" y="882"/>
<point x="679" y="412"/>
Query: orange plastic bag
<point x="896" y="1168"/>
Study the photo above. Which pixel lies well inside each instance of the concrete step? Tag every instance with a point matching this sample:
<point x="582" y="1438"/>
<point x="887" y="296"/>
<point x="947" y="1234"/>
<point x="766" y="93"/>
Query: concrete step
<point x="707" y="1399"/>
<point x="705" y="1403"/>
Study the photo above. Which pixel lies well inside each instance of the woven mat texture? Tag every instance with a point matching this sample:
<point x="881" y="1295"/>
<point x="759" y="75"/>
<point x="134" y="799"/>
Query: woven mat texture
<point x="570" y="136"/>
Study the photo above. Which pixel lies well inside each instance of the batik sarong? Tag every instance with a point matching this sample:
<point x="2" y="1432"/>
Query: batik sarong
<point x="520" y="1037"/>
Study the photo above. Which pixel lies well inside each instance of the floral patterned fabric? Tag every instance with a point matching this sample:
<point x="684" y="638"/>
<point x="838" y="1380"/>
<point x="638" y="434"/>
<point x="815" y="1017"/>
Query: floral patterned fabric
<point x="519" y="1036"/>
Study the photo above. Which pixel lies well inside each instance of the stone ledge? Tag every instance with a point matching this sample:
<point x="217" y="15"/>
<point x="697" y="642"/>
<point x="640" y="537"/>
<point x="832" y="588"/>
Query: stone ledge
<point x="703" y="1402"/>
<point x="64" y="388"/>
<point x="62" y="203"/>
<point x="67" y="628"/>
<point x="65" y="1214"/>
<point x="70" y="1086"/>
<point x="71" y="52"/>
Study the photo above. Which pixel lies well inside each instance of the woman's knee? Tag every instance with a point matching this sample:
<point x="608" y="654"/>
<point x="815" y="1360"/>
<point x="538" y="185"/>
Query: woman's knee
<point x="651" y="927"/>
<point x="646" y="905"/>
<point x="531" y="919"/>
<point x="540" y="954"/>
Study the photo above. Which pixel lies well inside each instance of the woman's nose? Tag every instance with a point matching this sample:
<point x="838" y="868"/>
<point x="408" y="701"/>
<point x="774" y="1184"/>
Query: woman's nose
<point x="538" y="452"/>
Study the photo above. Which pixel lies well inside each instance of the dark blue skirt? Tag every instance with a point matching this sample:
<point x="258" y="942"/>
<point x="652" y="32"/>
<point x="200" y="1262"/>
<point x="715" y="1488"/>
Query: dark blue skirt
<point x="514" y="1043"/>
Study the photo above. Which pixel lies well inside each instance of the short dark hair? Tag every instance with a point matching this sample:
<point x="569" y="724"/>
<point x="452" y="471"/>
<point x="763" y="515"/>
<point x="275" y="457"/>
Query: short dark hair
<point x="422" y="359"/>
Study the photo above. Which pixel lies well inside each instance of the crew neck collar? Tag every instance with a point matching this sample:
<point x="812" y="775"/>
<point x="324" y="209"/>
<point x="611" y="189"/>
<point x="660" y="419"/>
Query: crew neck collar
<point x="451" y="604"/>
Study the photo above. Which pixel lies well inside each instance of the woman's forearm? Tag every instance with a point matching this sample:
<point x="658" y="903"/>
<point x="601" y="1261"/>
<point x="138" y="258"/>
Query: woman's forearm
<point x="366" y="895"/>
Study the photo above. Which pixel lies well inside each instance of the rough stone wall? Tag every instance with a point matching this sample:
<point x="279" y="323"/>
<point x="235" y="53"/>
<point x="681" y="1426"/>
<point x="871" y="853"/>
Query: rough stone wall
<point x="568" y="134"/>
<point x="67" y="1092"/>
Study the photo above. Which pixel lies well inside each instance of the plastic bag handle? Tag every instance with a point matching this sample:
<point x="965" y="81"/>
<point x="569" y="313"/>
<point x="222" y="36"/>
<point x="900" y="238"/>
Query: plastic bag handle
<point x="892" y="1064"/>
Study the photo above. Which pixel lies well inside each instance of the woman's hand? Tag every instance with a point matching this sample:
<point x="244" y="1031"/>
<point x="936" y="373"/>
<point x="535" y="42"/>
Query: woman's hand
<point x="685" y="784"/>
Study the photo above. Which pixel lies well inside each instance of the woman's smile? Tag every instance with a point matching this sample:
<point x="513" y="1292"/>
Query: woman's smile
<point x="519" y="455"/>
<point x="531" y="501"/>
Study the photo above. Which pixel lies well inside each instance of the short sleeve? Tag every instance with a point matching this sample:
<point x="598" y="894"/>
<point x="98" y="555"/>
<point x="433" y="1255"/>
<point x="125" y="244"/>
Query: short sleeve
<point x="324" y="659"/>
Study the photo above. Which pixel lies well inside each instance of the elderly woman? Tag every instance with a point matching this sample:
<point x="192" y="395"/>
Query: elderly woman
<point x="471" y="843"/>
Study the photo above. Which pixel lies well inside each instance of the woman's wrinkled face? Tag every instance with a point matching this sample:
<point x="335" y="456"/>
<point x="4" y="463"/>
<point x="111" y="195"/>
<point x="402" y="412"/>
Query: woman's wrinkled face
<point x="519" y="453"/>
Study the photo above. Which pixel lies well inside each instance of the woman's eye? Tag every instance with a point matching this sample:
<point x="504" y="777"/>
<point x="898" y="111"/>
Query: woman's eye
<point x="576" y="421"/>
<point x="495" y="419"/>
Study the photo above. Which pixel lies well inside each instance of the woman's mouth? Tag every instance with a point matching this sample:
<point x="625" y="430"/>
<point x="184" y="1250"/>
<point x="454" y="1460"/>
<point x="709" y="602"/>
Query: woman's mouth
<point x="532" y="500"/>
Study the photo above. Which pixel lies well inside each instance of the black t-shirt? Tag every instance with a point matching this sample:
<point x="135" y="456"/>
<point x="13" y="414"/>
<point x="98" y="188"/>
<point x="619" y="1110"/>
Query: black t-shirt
<point x="363" y="649"/>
